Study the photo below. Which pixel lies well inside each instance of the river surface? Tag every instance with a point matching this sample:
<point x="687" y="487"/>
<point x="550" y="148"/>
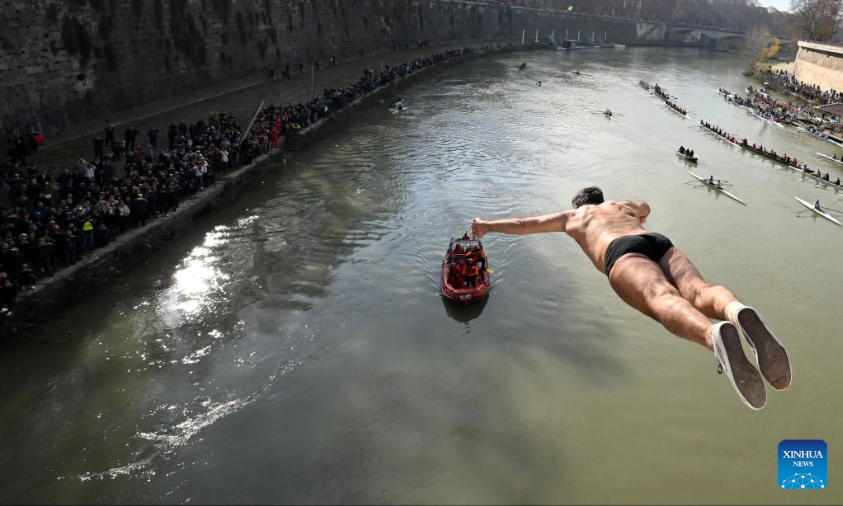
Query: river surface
<point x="293" y="347"/>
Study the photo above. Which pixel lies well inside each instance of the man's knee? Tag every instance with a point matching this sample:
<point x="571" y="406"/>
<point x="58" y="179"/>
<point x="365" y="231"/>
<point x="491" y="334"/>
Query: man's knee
<point x="701" y="290"/>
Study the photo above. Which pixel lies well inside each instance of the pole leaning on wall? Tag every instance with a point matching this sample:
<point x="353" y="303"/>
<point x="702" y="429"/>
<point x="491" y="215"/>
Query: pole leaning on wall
<point x="249" y="126"/>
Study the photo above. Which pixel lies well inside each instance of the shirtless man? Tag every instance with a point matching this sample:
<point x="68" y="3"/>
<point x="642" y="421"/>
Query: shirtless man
<point x="657" y="279"/>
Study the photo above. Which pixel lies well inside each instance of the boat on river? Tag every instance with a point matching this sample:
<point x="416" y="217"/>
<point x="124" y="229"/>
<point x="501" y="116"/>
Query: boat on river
<point x="689" y="159"/>
<point x="453" y="286"/>
<point x="706" y="182"/>
<point x="819" y="211"/>
<point x="771" y="155"/>
<point x="838" y="161"/>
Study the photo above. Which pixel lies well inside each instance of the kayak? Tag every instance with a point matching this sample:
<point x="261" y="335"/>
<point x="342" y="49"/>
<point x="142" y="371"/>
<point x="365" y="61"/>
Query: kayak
<point x="457" y="290"/>
<point x="817" y="211"/>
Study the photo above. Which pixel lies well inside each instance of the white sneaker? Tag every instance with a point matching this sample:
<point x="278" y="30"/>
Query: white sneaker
<point x="769" y="351"/>
<point x="744" y="376"/>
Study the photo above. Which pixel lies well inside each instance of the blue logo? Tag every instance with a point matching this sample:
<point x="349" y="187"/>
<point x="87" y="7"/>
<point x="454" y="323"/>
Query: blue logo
<point x="802" y="464"/>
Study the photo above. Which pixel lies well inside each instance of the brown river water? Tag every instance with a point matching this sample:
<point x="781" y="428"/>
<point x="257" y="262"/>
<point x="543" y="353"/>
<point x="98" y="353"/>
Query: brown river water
<point x="293" y="346"/>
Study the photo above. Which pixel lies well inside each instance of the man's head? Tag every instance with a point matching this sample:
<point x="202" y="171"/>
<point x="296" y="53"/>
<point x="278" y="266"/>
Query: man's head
<point x="591" y="195"/>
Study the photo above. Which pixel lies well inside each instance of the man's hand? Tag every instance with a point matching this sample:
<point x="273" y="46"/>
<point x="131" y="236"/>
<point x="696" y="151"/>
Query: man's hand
<point x="478" y="229"/>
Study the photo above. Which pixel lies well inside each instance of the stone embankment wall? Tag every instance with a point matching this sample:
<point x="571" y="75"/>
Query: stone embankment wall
<point x="66" y="61"/>
<point x="820" y="64"/>
<point x="63" y="62"/>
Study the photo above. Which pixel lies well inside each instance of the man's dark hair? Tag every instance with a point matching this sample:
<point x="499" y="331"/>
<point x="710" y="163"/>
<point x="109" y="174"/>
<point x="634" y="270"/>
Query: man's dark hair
<point x="586" y="196"/>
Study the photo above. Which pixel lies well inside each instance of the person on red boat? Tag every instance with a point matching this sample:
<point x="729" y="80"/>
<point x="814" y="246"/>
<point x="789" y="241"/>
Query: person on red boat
<point x="453" y="276"/>
<point x="459" y="278"/>
<point x="465" y="237"/>
<point x="651" y="275"/>
<point x="481" y="258"/>
<point x="471" y="274"/>
<point x="471" y="255"/>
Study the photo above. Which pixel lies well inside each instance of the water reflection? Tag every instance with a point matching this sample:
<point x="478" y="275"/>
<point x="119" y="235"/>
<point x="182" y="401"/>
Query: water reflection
<point x="464" y="313"/>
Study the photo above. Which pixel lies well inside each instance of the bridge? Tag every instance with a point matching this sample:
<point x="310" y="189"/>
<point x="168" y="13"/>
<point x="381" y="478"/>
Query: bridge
<point x="633" y="31"/>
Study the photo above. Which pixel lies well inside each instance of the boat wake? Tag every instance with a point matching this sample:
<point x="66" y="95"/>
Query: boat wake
<point x="165" y="442"/>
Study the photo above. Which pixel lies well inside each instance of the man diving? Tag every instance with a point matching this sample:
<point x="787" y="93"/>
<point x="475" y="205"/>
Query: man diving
<point x="657" y="279"/>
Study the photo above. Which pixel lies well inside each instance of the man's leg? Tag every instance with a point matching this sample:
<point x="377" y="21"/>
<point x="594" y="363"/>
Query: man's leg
<point x="710" y="300"/>
<point x="718" y="302"/>
<point x="642" y="284"/>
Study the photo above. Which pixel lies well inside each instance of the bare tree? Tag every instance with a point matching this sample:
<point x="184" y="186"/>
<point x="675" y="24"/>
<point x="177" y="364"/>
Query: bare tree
<point x="759" y="46"/>
<point x="815" y="19"/>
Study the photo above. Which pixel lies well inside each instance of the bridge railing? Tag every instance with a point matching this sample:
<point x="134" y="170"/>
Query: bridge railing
<point x="565" y="13"/>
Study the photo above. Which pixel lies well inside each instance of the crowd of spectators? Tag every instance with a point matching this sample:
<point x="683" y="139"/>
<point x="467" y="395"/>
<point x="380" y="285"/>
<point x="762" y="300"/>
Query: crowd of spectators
<point x="49" y="223"/>
<point x="782" y="80"/>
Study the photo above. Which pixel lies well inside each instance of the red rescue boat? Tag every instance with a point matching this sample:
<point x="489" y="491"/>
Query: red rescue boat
<point x="455" y="286"/>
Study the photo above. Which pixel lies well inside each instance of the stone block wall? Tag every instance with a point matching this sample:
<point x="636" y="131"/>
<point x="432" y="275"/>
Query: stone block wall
<point x="820" y="64"/>
<point x="63" y="62"/>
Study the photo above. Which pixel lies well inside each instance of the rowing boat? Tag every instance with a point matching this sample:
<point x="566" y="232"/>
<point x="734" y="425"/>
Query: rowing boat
<point x="704" y="181"/>
<point x="830" y="158"/>
<point x="817" y="211"/>
<point x="677" y="111"/>
<point x="689" y="159"/>
<point x="754" y="113"/>
<point x="733" y="143"/>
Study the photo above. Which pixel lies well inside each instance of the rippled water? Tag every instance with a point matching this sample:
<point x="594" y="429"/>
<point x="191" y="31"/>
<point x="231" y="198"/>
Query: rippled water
<point x="293" y="347"/>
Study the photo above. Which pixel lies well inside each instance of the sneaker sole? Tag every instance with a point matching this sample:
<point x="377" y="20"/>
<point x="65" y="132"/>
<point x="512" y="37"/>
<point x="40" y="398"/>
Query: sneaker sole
<point x="745" y="377"/>
<point x="772" y="357"/>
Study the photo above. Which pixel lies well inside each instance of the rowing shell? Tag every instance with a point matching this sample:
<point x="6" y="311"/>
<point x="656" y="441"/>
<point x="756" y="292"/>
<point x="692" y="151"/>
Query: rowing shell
<point x="766" y="119"/>
<point x="821" y="213"/>
<point x="704" y="180"/>
<point x="831" y="159"/>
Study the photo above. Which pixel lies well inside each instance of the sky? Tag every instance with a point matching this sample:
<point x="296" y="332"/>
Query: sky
<point x="782" y="5"/>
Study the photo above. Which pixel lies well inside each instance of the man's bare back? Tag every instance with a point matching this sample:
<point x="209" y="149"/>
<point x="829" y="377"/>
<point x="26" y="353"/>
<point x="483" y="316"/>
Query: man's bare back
<point x="594" y="227"/>
<point x="651" y="275"/>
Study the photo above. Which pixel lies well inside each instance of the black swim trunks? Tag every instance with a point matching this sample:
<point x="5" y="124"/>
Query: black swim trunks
<point x="652" y="245"/>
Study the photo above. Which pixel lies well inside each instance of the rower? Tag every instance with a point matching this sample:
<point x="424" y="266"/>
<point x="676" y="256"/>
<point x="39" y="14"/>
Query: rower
<point x="539" y="83"/>
<point x="710" y="180"/>
<point x="817" y="205"/>
<point x="837" y="182"/>
<point x="819" y="173"/>
<point x="719" y="185"/>
<point x="682" y="149"/>
<point x="691" y="153"/>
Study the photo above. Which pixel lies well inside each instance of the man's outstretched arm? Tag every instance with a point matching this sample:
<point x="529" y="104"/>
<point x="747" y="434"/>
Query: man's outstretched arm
<point x="534" y="225"/>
